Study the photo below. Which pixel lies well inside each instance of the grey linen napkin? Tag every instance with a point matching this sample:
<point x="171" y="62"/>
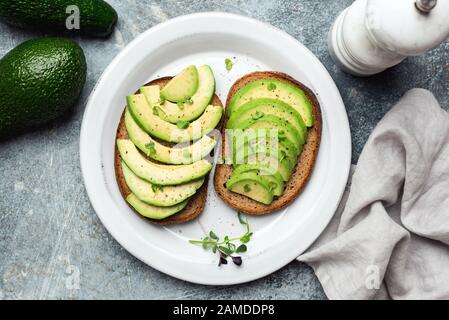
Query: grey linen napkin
<point x="392" y="238"/>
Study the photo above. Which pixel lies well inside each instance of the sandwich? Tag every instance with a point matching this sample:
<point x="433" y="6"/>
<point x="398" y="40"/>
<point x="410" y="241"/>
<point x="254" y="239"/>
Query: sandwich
<point x="270" y="140"/>
<point x="163" y="146"/>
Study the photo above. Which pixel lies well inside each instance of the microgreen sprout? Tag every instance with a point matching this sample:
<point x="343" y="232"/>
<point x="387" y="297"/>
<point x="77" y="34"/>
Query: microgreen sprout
<point x="227" y="247"/>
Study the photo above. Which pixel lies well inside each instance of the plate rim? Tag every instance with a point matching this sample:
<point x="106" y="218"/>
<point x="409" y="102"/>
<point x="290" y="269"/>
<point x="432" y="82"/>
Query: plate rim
<point x="120" y="238"/>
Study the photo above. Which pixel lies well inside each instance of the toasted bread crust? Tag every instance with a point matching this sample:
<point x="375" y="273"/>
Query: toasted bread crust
<point x="196" y="204"/>
<point x="304" y="166"/>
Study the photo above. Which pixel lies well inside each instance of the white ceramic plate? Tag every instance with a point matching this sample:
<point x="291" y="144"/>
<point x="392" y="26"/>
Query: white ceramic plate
<point x="210" y="38"/>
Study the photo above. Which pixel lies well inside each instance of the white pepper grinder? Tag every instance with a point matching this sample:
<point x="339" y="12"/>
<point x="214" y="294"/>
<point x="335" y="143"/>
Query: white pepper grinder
<point x="372" y="35"/>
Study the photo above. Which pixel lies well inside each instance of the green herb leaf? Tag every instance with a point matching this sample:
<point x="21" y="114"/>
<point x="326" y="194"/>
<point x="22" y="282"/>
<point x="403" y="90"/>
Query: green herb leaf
<point x="246" y="238"/>
<point x="186" y="154"/>
<point x="225" y="250"/>
<point x="156" y="188"/>
<point x="155" y="111"/>
<point x="239" y="215"/>
<point x="271" y="86"/>
<point x="182" y="124"/>
<point x="257" y="115"/>
<point x="246" y="188"/>
<point x="241" y="248"/>
<point x="180" y="105"/>
<point x="189" y="101"/>
<point x="150" y="147"/>
<point x="213" y="236"/>
<point x="229" y="64"/>
<point x="283" y="155"/>
<point x="272" y="185"/>
<point x="232" y="247"/>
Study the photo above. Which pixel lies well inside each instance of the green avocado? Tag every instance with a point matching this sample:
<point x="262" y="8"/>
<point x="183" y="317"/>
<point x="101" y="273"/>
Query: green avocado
<point x="188" y="110"/>
<point x="97" y="18"/>
<point x="157" y="151"/>
<point x="40" y="80"/>
<point x="154" y="212"/>
<point x="274" y="178"/>
<point x="157" y="173"/>
<point x="273" y="89"/>
<point x="182" y="86"/>
<point x="242" y="143"/>
<point x="147" y="117"/>
<point x="268" y="122"/>
<point x="275" y="163"/>
<point x="162" y="196"/>
<point x="278" y="152"/>
<point x="251" y="185"/>
<point x="257" y="108"/>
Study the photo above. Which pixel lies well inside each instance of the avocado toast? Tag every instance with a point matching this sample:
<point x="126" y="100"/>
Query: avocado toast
<point x="164" y="182"/>
<point x="268" y="101"/>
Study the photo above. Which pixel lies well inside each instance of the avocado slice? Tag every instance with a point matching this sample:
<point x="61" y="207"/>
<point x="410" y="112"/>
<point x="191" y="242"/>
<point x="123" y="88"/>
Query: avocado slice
<point x="246" y="151"/>
<point x="274" y="89"/>
<point x="146" y="116"/>
<point x="251" y="185"/>
<point x="157" y="195"/>
<point x="285" y="146"/>
<point x="269" y="122"/>
<point x="154" y="212"/>
<point x="282" y="165"/>
<point x="194" y="107"/>
<point x="161" y="153"/>
<point x="274" y="178"/>
<point x="182" y="86"/>
<point x="257" y="108"/>
<point x="157" y="173"/>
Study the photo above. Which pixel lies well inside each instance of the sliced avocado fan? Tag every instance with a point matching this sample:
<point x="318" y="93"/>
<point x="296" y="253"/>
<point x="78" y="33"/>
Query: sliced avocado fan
<point x="157" y="173"/>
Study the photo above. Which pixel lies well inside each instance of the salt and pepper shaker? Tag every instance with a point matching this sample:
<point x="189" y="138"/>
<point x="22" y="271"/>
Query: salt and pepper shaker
<point x="373" y="35"/>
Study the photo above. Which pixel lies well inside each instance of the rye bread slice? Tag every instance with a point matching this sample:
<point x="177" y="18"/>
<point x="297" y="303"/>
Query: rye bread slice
<point x="196" y="204"/>
<point x="304" y="166"/>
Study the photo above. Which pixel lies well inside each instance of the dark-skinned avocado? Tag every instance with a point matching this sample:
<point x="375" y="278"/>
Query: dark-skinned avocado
<point x="40" y="80"/>
<point x="97" y="17"/>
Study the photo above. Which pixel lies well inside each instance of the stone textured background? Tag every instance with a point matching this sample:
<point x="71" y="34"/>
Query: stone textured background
<point x="48" y="229"/>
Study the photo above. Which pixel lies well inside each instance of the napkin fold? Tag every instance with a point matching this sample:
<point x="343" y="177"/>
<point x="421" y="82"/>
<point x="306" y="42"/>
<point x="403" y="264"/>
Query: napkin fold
<point x="392" y="238"/>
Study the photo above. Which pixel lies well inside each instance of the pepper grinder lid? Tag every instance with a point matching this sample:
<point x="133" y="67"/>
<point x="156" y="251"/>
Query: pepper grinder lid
<point x="407" y="27"/>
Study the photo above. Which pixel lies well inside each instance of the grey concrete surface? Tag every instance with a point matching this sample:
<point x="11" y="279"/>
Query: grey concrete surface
<point x="49" y="233"/>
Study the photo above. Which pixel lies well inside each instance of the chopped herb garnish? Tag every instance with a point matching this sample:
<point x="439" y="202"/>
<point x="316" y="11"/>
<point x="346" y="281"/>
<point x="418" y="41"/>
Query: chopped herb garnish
<point x="150" y="147"/>
<point x="227" y="247"/>
<point x="271" y="86"/>
<point x="281" y="135"/>
<point x="229" y="64"/>
<point x="246" y="188"/>
<point x="283" y="155"/>
<point x="155" y="111"/>
<point x="182" y="124"/>
<point x="257" y="115"/>
<point x="180" y="105"/>
<point x="156" y="188"/>
<point x="213" y="236"/>
<point x="189" y="101"/>
<point x="186" y="153"/>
